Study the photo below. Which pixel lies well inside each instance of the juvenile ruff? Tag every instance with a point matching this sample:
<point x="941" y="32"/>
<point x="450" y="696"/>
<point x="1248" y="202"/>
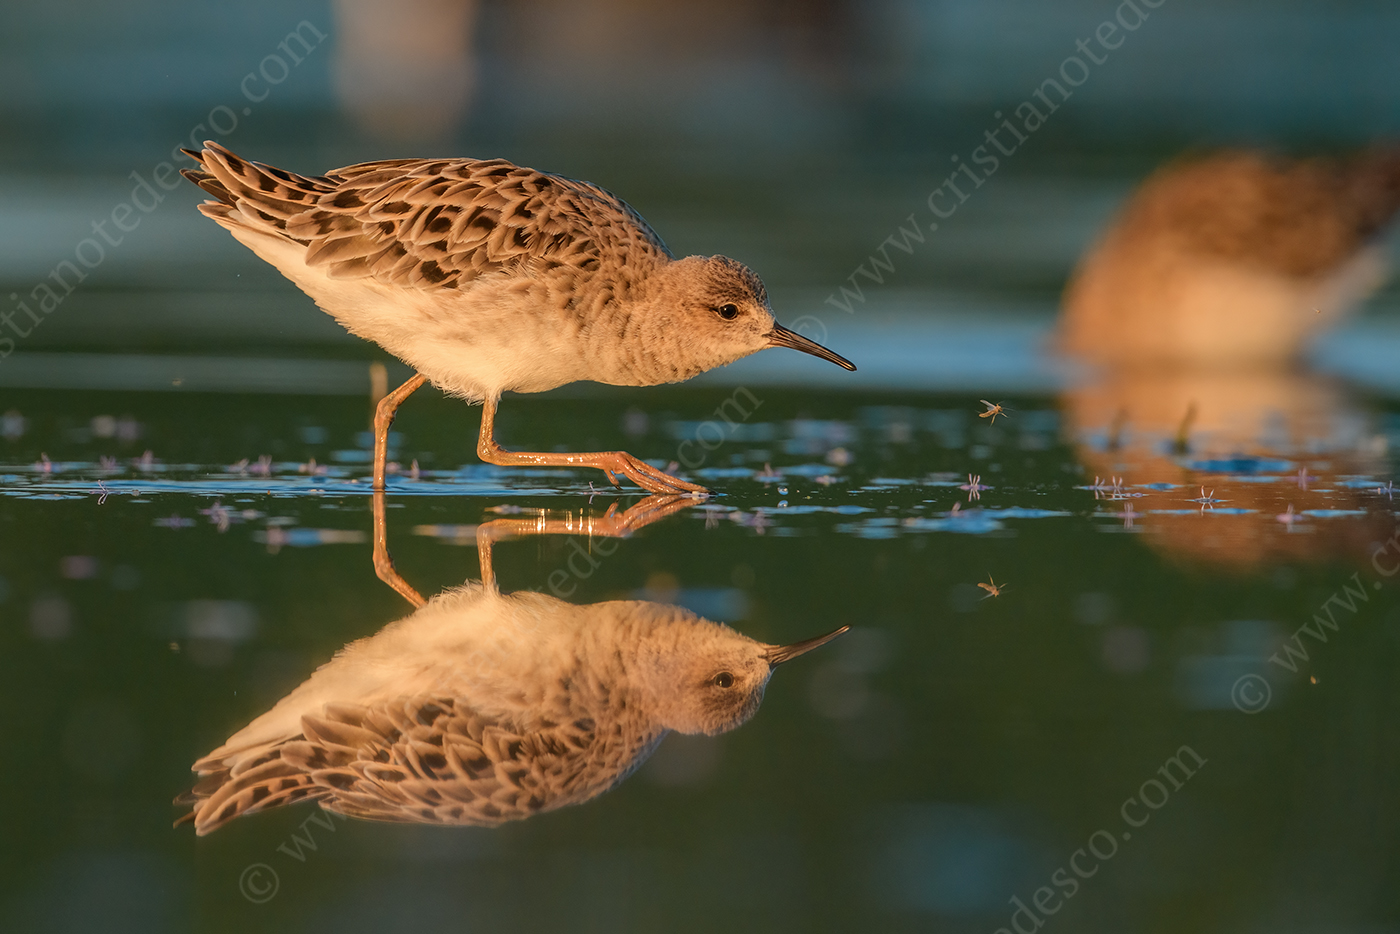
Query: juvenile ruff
<point x="486" y="277"/>
<point x="1232" y="259"/>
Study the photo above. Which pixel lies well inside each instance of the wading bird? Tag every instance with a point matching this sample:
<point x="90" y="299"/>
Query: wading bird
<point x="488" y="277"/>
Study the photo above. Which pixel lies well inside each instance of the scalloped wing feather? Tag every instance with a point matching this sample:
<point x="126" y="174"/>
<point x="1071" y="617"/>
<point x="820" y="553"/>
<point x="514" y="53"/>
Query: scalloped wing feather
<point x="430" y="223"/>
<point x="418" y="759"/>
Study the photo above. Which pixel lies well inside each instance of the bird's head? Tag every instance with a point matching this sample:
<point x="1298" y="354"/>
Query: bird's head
<point x="720" y="310"/>
<point x="706" y="678"/>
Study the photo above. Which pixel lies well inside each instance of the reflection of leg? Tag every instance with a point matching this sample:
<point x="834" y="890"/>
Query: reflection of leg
<point x="383" y="563"/>
<point x="610" y="524"/>
<point x="610" y="462"/>
<point x="383" y="418"/>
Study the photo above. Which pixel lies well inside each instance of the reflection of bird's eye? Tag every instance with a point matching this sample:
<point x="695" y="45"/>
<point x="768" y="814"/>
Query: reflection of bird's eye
<point x="724" y="679"/>
<point x="728" y="311"/>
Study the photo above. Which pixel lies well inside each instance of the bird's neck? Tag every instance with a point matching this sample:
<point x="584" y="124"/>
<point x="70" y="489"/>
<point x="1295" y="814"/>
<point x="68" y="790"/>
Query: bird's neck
<point x="639" y="339"/>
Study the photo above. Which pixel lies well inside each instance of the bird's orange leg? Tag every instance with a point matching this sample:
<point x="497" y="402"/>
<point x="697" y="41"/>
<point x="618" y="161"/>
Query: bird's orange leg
<point x="384" y="418"/>
<point x="609" y="462"/>
<point x="383" y="563"/>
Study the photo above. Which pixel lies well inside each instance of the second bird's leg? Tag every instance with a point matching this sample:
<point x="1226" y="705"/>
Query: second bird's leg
<point x="609" y="462"/>
<point x="383" y="418"/>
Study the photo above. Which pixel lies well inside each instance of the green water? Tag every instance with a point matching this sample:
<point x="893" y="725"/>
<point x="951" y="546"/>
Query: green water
<point x="951" y="754"/>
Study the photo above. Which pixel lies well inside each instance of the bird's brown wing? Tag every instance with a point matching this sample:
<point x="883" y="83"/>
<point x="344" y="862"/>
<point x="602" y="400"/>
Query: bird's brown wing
<point x="430" y="223"/>
<point x="417" y="759"/>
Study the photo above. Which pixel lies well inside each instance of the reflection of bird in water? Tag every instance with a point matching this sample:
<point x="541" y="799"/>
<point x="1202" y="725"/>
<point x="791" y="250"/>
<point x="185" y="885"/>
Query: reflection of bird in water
<point x="1185" y="427"/>
<point x="486" y="277"/>
<point x="480" y="708"/>
<point x="1232" y="258"/>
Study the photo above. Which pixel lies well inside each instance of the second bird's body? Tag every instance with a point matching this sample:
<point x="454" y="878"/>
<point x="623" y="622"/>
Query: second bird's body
<point x="1234" y="259"/>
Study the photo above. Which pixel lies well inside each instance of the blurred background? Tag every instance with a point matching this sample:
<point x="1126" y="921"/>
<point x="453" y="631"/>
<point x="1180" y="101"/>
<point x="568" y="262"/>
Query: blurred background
<point x="794" y="135"/>
<point x="1178" y="282"/>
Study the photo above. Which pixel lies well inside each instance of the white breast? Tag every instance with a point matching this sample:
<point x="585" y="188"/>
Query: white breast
<point x="498" y="334"/>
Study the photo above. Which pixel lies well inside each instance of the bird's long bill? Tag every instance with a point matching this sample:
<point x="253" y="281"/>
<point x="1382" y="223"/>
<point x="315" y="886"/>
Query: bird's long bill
<point x="782" y="337"/>
<point x="778" y="654"/>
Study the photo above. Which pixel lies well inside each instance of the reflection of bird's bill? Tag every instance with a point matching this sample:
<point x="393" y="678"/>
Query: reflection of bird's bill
<point x="782" y="337"/>
<point x="778" y="654"/>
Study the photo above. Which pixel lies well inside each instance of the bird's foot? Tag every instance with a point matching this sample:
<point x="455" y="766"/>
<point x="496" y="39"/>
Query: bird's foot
<point x="644" y="475"/>
<point x="611" y="463"/>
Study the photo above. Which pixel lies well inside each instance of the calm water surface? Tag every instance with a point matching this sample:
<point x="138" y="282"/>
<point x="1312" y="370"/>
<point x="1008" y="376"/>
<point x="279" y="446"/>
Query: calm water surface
<point x="1134" y="734"/>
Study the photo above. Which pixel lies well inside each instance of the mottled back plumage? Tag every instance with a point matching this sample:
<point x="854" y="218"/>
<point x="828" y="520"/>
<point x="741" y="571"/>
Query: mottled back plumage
<point x="421" y="759"/>
<point x="435" y="223"/>
<point x="1298" y="217"/>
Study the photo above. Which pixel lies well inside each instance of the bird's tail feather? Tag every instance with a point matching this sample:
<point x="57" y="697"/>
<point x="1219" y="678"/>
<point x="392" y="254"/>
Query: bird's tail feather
<point x="269" y="780"/>
<point x="252" y="194"/>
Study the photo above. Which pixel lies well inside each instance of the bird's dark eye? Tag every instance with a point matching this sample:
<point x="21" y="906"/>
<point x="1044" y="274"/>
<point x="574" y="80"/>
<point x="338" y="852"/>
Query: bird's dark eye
<point x="728" y="311"/>
<point x="724" y="679"/>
